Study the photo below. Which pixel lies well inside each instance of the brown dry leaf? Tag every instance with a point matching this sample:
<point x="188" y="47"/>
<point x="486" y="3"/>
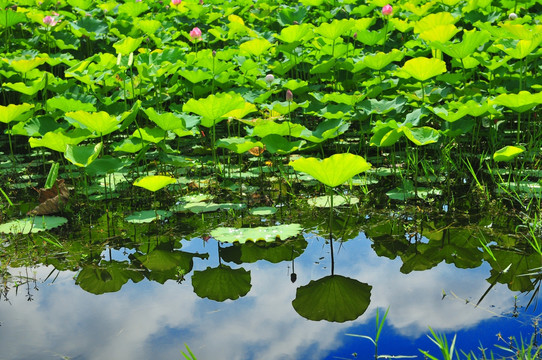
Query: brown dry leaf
<point x="51" y="200"/>
<point x="256" y="150"/>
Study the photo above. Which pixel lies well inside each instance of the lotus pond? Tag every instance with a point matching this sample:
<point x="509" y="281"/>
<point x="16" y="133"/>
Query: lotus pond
<point x="267" y="179"/>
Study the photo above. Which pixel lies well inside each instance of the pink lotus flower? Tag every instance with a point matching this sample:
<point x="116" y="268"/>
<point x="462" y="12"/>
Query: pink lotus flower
<point x="387" y="10"/>
<point x="195" y="33"/>
<point x="50" y="21"/>
<point x="176" y="2"/>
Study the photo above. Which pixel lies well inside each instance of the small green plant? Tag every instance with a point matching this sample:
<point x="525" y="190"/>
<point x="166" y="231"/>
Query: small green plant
<point x="379" y="326"/>
<point x="190" y="355"/>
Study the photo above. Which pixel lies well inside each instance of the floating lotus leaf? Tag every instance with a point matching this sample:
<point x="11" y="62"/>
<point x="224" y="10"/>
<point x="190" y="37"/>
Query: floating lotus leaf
<point x="100" y="122"/>
<point x="333" y="298"/>
<point x="29" y="88"/>
<point x="408" y="191"/>
<point x="508" y="153"/>
<point x="32" y="224"/>
<point x="147" y="216"/>
<point x="221" y="283"/>
<point x="334" y="170"/>
<point x="107" y="277"/>
<point x="203" y="207"/>
<point x="133" y="10"/>
<point x="82" y="156"/>
<point x="242" y="235"/>
<point x="338" y="200"/>
<point x="262" y="211"/>
<point x="214" y="108"/>
<point x="286" y="128"/>
<point x="521" y="102"/>
<point x="422" y="68"/>
<point x="15" y="112"/>
<point x="154" y="182"/>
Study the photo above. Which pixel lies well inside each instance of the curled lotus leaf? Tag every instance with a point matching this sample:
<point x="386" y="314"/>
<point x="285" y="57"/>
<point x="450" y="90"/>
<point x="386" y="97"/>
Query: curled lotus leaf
<point x="334" y="170"/>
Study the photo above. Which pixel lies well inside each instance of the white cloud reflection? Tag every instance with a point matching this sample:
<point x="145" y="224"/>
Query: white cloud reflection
<point x="153" y="321"/>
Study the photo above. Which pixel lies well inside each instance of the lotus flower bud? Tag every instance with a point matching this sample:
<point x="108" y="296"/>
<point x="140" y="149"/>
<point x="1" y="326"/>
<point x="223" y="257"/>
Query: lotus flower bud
<point x="289" y="95"/>
<point x="512" y="16"/>
<point x="195" y="33"/>
<point x="387" y="10"/>
<point x="269" y="78"/>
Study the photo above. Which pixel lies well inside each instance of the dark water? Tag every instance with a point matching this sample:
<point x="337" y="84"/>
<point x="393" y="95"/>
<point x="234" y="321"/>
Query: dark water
<point x="148" y="320"/>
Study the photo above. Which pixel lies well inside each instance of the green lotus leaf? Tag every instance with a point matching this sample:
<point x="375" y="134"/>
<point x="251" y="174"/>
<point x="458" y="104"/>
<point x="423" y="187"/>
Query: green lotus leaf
<point x="154" y="182"/>
<point x="14" y="112"/>
<point x="29" y="88"/>
<point x="107" y="165"/>
<point x="277" y="144"/>
<point x="422" y="68"/>
<point x="149" y="27"/>
<point x="292" y="15"/>
<point x="195" y="76"/>
<point x="58" y="141"/>
<point x="440" y="33"/>
<point x="522" y="48"/>
<point x="422" y="135"/>
<point x="256" y="47"/>
<point x="260" y="233"/>
<point x="100" y="122"/>
<point x="373" y="106"/>
<point x="386" y="136"/>
<point x="458" y="110"/>
<point x="82" y="156"/>
<point x="66" y="105"/>
<point x="221" y="283"/>
<point x="238" y="145"/>
<point x="521" y="102"/>
<point x="198" y="207"/>
<point x="335" y="29"/>
<point x="508" y="153"/>
<point x="130" y="145"/>
<point x="327" y="130"/>
<point x="32" y="224"/>
<point x="147" y="216"/>
<point x="26" y="65"/>
<point x="370" y="38"/>
<point x="471" y="41"/>
<point x="153" y="135"/>
<point x="89" y="26"/>
<point x="132" y="9"/>
<point x="334" y="170"/>
<point x="418" y="10"/>
<point x="380" y="60"/>
<point x="9" y="17"/>
<point x="166" y="121"/>
<point x="521" y="31"/>
<point x="107" y="277"/>
<point x="338" y="200"/>
<point x="286" y="128"/>
<point x="333" y="298"/>
<point x="214" y="108"/>
<point x="432" y="21"/>
<point x="296" y="33"/>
